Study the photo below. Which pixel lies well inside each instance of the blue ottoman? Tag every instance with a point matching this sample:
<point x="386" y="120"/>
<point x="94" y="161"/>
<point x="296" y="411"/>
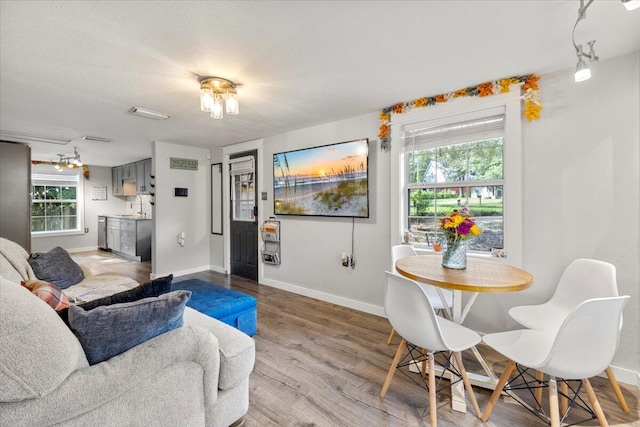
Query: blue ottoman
<point x="231" y="307"/>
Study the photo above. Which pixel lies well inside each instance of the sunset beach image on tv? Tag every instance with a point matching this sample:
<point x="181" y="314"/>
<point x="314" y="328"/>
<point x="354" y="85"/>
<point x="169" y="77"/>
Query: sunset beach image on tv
<point x="330" y="180"/>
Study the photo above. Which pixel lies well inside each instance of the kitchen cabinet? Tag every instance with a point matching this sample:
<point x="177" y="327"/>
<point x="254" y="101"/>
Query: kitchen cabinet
<point x="138" y="172"/>
<point x="113" y="234"/>
<point x="116" y="181"/>
<point x="135" y="238"/>
<point x="129" y="172"/>
<point x="143" y="176"/>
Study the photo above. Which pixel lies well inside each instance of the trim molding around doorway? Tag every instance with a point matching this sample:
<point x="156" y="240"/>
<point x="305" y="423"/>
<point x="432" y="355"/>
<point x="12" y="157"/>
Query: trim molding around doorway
<point x="227" y="152"/>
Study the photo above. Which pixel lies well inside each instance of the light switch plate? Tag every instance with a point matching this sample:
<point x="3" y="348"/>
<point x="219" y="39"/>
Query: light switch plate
<point x="264" y="195"/>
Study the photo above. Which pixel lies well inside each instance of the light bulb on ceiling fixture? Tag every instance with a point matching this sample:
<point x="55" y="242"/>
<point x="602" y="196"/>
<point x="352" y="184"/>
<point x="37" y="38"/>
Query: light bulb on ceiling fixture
<point x="582" y="71"/>
<point x="631" y="4"/>
<point x="206" y="99"/>
<point x="216" y="108"/>
<point x="232" y="102"/>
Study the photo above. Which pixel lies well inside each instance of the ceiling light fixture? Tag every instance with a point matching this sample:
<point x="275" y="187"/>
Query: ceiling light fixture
<point x="137" y="111"/>
<point x="582" y="69"/>
<point x="9" y="135"/>
<point x="96" y="139"/>
<point x="216" y="91"/>
<point x="69" y="161"/>
<point x="631" y="4"/>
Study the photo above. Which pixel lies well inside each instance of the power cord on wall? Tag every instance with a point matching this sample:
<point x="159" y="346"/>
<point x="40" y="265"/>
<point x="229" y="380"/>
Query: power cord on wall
<point x="352" y="261"/>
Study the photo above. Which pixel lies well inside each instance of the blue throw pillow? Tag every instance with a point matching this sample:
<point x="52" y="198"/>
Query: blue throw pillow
<point x="107" y="331"/>
<point x="57" y="267"/>
<point x="152" y="288"/>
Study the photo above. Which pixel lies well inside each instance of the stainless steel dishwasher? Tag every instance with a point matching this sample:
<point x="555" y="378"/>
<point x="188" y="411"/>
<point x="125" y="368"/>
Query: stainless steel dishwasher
<point x="102" y="233"/>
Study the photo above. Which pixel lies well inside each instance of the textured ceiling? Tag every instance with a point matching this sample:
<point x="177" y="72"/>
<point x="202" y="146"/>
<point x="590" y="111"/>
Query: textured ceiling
<point x="70" y="69"/>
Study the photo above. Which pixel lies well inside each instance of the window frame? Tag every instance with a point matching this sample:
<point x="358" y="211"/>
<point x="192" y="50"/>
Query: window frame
<point x="50" y="170"/>
<point x="461" y="110"/>
<point x="410" y="146"/>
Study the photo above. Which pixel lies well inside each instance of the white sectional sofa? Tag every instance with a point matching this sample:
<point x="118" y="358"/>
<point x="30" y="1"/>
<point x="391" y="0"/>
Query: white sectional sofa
<point x="196" y="375"/>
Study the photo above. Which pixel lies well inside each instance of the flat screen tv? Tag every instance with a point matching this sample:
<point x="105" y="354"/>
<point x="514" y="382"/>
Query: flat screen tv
<point x="330" y="180"/>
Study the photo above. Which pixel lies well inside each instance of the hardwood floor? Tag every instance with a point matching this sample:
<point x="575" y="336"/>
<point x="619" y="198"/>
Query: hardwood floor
<point x="319" y="364"/>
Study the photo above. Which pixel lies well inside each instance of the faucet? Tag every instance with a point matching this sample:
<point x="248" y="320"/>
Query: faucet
<point x="141" y="212"/>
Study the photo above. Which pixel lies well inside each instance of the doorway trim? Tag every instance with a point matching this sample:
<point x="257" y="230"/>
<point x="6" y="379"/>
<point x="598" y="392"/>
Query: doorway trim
<point x="229" y="150"/>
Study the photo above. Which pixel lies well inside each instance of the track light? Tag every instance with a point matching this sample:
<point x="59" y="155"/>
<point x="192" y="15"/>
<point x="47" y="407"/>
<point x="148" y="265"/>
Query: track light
<point x="631" y="4"/>
<point x="69" y="161"/>
<point x="582" y="69"/>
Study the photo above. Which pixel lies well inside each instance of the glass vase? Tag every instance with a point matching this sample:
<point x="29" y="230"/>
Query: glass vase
<point x="454" y="255"/>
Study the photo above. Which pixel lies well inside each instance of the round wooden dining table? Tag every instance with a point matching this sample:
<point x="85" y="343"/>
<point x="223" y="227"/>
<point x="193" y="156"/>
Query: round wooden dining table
<point x="480" y="276"/>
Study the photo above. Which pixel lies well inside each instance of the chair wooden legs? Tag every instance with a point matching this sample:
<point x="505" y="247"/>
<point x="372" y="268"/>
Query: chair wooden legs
<point x="424" y="362"/>
<point x="538" y="392"/>
<point x="467" y="384"/>
<point x="392" y="369"/>
<point x="496" y="393"/>
<point x="554" y="409"/>
<point x="594" y="402"/>
<point x="393" y="332"/>
<point x="564" y="403"/>
<point x="433" y="407"/>
<point x="616" y="389"/>
<point x="554" y="415"/>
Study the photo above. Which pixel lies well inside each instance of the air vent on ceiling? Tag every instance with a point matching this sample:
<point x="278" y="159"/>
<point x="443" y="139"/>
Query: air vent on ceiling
<point x="96" y="139"/>
<point x="148" y="113"/>
<point x="9" y="135"/>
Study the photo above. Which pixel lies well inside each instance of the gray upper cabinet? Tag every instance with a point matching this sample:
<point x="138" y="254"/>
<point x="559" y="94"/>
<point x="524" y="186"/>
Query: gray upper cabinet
<point x="138" y="172"/>
<point x="116" y="180"/>
<point x="143" y="176"/>
<point x="129" y="172"/>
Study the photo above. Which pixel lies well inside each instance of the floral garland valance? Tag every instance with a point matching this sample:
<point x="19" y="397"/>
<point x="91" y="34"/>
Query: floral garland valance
<point x="530" y="93"/>
<point x="85" y="168"/>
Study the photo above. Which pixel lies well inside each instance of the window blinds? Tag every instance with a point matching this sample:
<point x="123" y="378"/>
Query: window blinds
<point x="455" y="133"/>
<point x="54" y="179"/>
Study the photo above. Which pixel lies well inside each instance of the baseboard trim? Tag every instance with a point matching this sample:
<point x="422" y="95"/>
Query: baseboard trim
<point x="218" y="269"/>
<point x="181" y="272"/>
<point x="322" y="296"/>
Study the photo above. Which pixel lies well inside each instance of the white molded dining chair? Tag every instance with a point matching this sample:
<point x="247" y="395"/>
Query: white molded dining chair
<point x="570" y="352"/>
<point x="403" y="251"/>
<point x="583" y="279"/>
<point x="411" y="314"/>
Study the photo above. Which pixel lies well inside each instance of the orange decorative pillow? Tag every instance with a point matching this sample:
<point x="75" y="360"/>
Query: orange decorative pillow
<point x="48" y="293"/>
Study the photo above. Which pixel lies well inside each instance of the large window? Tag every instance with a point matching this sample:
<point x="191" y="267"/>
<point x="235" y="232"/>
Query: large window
<point x="56" y="202"/>
<point x="451" y="166"/>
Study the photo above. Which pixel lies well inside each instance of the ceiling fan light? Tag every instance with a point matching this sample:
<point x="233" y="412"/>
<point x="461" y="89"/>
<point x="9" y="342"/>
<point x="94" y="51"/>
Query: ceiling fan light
<point x="582" y="72"/>
<point x="631" y="4"/>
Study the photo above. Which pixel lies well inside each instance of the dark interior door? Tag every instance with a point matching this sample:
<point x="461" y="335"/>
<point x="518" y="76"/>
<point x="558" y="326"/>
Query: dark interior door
<point x="244" y="219"/>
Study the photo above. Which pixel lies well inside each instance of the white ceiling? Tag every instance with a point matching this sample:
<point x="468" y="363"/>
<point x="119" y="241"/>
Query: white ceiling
<point x="70" y="69"/>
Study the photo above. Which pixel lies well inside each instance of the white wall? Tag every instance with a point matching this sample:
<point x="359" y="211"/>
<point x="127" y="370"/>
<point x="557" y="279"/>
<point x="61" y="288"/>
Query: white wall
<point x="92" y="208"/>
<point x="173" y="215"/>
<point x="311" y="246"/>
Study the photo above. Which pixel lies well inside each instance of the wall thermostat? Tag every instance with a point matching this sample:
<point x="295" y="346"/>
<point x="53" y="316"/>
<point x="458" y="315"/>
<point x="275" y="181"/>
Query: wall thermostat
<point x="181" y="192"/>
